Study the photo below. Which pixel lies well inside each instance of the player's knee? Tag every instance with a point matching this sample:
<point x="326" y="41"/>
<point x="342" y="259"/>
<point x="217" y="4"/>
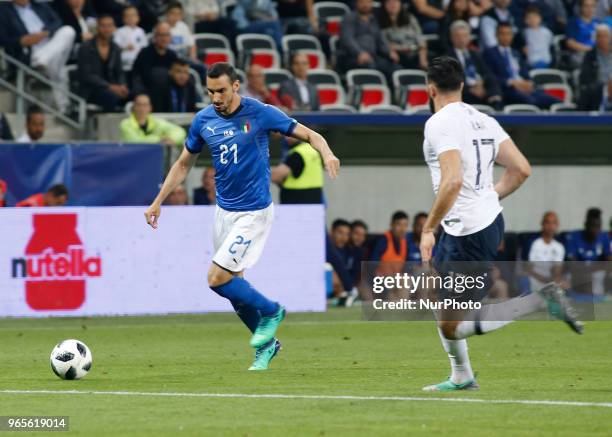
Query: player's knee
<point x="448" y="330"/>
<point x="217" y="276"/>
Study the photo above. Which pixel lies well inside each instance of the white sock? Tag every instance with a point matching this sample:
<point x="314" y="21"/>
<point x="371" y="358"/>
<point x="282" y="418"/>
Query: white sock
<point x="457" y="351"/>
<point x="494" y="316"/>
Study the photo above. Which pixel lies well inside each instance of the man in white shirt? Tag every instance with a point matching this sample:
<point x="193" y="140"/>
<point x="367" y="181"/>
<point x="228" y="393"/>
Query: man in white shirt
<point x="546" y="254"/>
<point x="461" y="146"/>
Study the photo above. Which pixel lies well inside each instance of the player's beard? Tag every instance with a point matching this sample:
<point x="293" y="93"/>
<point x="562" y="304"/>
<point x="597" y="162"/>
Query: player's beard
<point x="431" y="106"/>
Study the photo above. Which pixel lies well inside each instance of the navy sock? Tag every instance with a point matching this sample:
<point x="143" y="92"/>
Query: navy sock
<point x="238" y="290"/>
<point x="249" y="315"/>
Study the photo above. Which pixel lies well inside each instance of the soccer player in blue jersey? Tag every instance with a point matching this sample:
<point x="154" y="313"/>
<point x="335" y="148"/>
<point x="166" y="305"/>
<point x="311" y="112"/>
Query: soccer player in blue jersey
<point x="235" y="129"/>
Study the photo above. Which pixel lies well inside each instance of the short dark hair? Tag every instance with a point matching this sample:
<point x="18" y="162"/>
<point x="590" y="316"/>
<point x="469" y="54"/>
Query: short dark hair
<point x="128" y="7"/>
<point x="104" y="17"/>
<point x="502" y="25"/>
<point x="532" y="9"/>
<point x="180" y="61"/>
<point x="359" y="224"/>
<point x="419" y="215"/>
<point x="340" y="222"/>
<point x="593" y="213"/>
<point x="399" y="215"/>
<point x="446" y="73"/>
<point x="219" y="69"/>
<point x="33" y="110"/>
<point x="58" y="190"/>
<point x="174" y="5"/>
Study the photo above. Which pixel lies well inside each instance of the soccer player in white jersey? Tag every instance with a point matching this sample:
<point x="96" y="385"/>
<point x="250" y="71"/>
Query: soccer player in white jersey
<point x="461" y="146"/>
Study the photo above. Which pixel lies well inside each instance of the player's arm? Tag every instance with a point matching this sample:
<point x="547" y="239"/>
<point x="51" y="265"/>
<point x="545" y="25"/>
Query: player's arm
<point x="516" y="168"/>
<point x="176" y="175"/>
<point x="280" y="172"/>
<point x="316" y="140"/>
<point x="451" y="179"/>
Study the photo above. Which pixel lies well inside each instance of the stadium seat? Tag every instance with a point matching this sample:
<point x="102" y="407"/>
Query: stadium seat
<point x="265" y="58"/>
<point x="247" y="42"/>
<point x="330" y="94"/>
<point x="418" y="110"/>
<point x="333" y="49"/>
<point x="320" y="77"/>
<point x="413" y="95"/>
<point x="382" y="109"/>
<point x="274" y="77"/>
<point x="485" y="109"/>
<point x="340" y="109"/>
<point x="227" y="6"/>
<point x="402" y="79"/>
<point x="210" y="56"/>
<point x="368" y="95"/>
<point x="330" y="15"/>
<point x="364" y="76"/>
<point x="544" y="76"/>
<point x="521" y="109"/>
<point x="210" y="41"/>
<point x="563" y="107"/>
<point x="561" y="91"/>
<point x="434" y="45"/>
<point x="293" y="43"/>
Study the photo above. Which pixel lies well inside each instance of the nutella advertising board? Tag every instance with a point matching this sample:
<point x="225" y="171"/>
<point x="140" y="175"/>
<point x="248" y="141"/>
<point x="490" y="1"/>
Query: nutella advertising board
<point x="107" y="261"/>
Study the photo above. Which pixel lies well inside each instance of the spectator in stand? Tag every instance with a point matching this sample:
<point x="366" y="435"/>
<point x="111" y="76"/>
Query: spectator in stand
<point x="591" y="243"/>
<point x="297" y="93"/>
<point x="403" y="35"/>
<point x="359" y="234"/>
<point x="297" y="16"/>
<point x="206" y="194"/>
<point x="111" y="7"/>
<point x="179" y="93"/>
<point x="178" y="197"/>
<point x="546" y="254"/>
<point x="257" y="89"/>
<point x="596" y="73"/>
<point x="78" y="14"/>
<point x="499" y="13"/>
<point x="130" y="38"/>
<point x="5" y="129"/>
<point x="3" y="190"/>
<point x="511" y="72"/>
<point x="392" y="246"/>
<point x="346" y="263"/>
<point x="151" y="11"/>
<point x="430" y="13"/>
<point x="182" y="39"/>
<point x="35" y="125"/>
<point x="457" y="10"/>
<point x="362" y="44"/>
<point x="480" y="85"/>
<point x="258" y="16"/>
<point x="57" y="195"/>
<point x="154" y="61"/>
<point x="33" y="33"/>
<point x="580" y="31"/>
<point x="142" y="127"/>
<point x="414" y="238"/>
<point x="99" y="66"/>
<point x="519" y="10"/>
<point x="538" y="39"/>
<point x="207" y="18"/>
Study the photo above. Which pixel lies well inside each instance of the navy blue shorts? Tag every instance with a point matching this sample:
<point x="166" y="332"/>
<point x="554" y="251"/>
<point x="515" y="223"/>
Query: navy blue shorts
<point x="471" y="255"/>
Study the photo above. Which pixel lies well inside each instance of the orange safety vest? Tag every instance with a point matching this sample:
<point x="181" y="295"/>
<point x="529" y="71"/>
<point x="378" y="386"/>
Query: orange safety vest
<point x="392" y="262"/>
<point x="33" y="200"/>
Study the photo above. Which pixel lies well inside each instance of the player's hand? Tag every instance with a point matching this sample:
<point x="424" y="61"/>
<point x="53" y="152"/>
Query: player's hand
<point x="152" y="214"/>
<point x="332" y="165"/>
<point x="428" y="240"/>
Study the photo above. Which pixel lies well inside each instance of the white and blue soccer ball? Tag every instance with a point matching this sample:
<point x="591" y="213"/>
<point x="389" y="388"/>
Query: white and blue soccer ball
<point x="71" y="359"/>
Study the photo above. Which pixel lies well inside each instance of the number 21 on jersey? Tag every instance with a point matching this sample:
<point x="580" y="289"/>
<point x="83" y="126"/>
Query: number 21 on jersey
<point x="225" y="150"/>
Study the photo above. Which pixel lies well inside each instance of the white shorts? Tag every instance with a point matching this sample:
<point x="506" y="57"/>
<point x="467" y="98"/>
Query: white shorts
<point x="239" y="237"/>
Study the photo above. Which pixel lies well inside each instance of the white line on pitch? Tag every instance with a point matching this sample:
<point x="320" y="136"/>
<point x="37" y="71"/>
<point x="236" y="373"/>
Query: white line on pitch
<point x="315" y="397"/>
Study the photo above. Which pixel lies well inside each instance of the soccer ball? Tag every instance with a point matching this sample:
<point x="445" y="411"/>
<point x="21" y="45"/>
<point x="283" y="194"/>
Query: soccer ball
<point x="71" y="359"/>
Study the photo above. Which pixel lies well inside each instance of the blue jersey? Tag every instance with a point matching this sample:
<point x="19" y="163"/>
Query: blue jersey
<point x="238" y="144"/>
<point x="577" y="248"/>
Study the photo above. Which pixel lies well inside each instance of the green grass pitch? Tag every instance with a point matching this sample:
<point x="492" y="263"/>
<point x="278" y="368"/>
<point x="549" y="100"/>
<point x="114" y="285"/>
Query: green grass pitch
<point x="323" y="354"/>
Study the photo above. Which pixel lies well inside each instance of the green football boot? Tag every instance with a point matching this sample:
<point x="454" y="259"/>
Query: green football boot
<point x="559" y="306"/>
<point x="266" y="329"/>
<point x="264" y="355"/>
<point x="449" y="385"/>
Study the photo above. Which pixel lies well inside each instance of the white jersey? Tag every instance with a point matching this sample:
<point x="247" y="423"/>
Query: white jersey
<point x="458" y="126"/>
<point x="545" y="257"/>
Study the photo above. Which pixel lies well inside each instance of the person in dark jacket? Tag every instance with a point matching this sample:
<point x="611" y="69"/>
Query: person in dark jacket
<point x="596" y="73"/>
<point x="297" y="93"/>
<point x="78" y="14"/>
<point x="5" y="130"/>
<point x="480" y="85"/>
<point x="178" y="92"/>
<point x="99" y="67"/>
